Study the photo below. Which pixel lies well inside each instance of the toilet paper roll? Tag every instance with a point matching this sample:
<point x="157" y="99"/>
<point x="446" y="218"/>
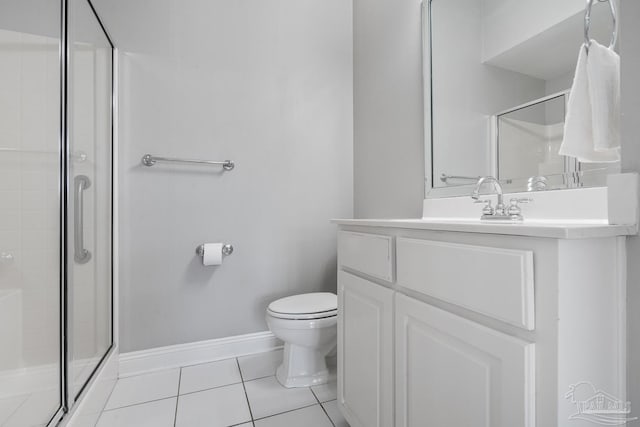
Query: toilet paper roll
<point x="212" y="254"/>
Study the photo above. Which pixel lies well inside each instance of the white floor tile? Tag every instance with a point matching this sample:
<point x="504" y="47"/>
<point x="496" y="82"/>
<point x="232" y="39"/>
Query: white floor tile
<point x="260" y="365"/>
<point x="335" y="414"/>
<point x="36" y="410"/>
<point x="218" y="407"/>
<point x="326" y="392"/>
<point x="209" y="375"/>
<point x="144" y="388"/>
<point x="268" y="397"/>
<point x="9" y="405"/>
<point x="160" y="413"/>
<point x="312" y="416"/>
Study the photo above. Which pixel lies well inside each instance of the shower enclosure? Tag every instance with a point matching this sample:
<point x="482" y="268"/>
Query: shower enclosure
<point x="56" y="98"/>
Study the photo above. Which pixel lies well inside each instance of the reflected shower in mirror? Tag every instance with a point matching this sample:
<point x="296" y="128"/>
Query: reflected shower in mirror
<point x="498" y="76"/>
<point x="528" y="139"/>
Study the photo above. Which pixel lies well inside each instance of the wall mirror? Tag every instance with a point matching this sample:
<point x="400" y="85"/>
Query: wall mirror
<point x="497" y="78"/>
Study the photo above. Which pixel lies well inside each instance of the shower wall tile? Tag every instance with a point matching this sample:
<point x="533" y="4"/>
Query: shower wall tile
<point x="29" y="214"/>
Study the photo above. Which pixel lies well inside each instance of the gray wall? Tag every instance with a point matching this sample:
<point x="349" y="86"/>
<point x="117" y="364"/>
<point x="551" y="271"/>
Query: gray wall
<point x="630" y="62"/>
<point x="267" y="83"/>
<point x="388" y="113"/>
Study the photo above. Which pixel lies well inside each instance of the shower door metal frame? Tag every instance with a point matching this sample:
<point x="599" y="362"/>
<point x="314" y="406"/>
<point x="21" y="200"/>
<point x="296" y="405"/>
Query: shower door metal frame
<point x="68" y="397"/>
<point x="62" y="217"/>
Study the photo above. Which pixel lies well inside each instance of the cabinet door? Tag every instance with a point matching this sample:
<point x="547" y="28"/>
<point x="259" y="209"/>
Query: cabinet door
<point x="365" y="352"/>
<point x="451" y="371"/>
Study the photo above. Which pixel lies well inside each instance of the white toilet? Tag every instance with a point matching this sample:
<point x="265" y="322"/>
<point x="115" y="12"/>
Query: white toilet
<point x="307" y="325"/>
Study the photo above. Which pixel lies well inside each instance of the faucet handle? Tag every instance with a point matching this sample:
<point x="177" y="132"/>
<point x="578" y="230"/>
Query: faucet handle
<point x="514" y="209"/>
<point x="487" y="209"/>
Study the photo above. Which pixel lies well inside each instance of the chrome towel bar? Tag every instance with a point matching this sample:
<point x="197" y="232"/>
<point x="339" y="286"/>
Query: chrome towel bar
<point x="445" y="178"/>
<point x="150" y="160"/>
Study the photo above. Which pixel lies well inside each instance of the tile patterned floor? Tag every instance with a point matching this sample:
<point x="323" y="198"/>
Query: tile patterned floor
<point x="239" y="392"/>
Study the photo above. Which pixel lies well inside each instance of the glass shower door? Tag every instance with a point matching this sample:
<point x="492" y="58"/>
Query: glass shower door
<point x="55" y="206"/>
<point x="30" y="213"/>
<point x="89" y="109"/>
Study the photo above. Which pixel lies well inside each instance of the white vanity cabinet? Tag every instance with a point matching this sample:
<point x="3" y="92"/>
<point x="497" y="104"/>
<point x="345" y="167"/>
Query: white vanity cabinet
<point x="365" y="361"/>
<point x="460" y="328"/>
<point x="455" y="372"/>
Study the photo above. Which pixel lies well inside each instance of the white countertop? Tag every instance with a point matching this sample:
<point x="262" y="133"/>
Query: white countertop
<point x="553" y="230"/>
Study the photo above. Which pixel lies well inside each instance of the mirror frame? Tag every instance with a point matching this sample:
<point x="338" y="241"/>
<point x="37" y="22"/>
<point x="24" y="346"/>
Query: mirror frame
<point x="573" y="178"/>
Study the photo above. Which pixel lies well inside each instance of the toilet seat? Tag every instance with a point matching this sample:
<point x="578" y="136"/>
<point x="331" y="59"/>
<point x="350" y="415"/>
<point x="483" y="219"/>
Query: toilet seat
<point x="315" y="305"/>
<point x="307" y="316"/>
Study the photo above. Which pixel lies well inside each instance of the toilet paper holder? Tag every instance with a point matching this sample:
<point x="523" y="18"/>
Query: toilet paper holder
<point x="226" y="250"/>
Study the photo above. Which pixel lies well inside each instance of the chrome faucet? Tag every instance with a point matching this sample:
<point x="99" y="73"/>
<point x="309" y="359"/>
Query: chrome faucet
<point x="501" y="212"/>
<point x="537" y="183"/>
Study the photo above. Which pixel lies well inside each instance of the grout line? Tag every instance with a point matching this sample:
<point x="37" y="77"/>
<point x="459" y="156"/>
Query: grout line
<point x="170" y="397"/>
<point x="170" y="368"/>
<point x="286" y="412"/>
<point x="173" y="368"/>
<point x="140" y="403"/>
<point x="26" y="397"/>
<point x="260" y="377"/>
<point x="210" y="388"/>
<point x="246" y="396"/>
<point x="314" y="395"/>
<point x="318" y="399"/>
<point x="244" y="389"/>
<point x="102" y="411"/>
<point x="327" y="414"/>
<point x="175" y="414"/>
<point x="211" y="361"/>
<point x="239" y="370"/>
<point x="322" y="407"/>
<point x="151" y="372"/>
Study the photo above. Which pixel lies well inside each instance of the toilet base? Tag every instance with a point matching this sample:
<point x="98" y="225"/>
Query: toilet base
<point x="303" y="367"/>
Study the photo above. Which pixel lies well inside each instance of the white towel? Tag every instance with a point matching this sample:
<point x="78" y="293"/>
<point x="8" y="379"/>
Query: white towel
<point x="592" y="125"/>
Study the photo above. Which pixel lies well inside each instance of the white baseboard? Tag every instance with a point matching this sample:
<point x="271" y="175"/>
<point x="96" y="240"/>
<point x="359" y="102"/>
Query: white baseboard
<point x="25" y="381"/>
<point x="174" y="356"/>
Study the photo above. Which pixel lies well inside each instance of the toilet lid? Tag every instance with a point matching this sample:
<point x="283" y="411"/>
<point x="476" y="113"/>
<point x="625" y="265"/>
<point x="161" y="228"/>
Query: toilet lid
<point x="320" y="303"/>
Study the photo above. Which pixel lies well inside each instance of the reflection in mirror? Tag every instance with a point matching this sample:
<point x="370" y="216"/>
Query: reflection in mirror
<point x="498" y="74"/>
<point x="528" y="140"/>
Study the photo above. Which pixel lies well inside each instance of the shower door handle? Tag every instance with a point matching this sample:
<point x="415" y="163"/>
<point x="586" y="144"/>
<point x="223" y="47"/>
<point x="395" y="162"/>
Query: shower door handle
<point x="81" y="255"/>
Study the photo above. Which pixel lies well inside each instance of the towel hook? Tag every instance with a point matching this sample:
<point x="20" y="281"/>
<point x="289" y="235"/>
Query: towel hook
<point x="587" y="23"/>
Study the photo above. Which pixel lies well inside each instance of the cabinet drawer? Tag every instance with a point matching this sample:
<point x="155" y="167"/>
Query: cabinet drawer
<point x="367" y="253"/>
<point x="492" y="281"/>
